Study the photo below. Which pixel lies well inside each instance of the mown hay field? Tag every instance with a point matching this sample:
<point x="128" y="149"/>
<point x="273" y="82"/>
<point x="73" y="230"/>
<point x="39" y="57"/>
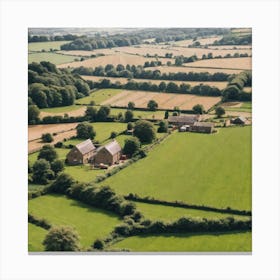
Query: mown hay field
<point x="164" y="100"/>
<point x="47" y="46"/>
<point x="71" y="111"/>
<point x="201" y="169"/>
<point x="90" y="223"/>
<point x="114" y="59"/>
<point x="54" y="58"/>
<point x="244" y="63"/>
<point x="219" y="85"/>
<point x="219" y="242"/>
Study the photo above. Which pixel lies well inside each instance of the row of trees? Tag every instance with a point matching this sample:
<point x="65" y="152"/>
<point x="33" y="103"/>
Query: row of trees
<point x="234" y="39"/>
<point x="44" y="38"/>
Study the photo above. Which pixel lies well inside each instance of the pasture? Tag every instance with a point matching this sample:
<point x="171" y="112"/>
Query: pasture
<point x="219" y="242"/>
<point x="46" y="46"/>
<point x="212" y="170"/>
<point x="90" y="222"/>
<point x="219" y="85"/>
<point x="54" y="58"/>
<point x="239" y="107"/>
<point x="202" y="41"/>
<point x="89" y="53"/>
<point x="164" y="100"/>
<point x="36" y="236"/>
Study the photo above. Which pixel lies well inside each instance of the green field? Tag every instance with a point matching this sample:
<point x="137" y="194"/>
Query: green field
<point x="169" y="213"/>
<point x="36" y="235"/>
<point x="51" y="57"/>
<point x="201" y="169"/>
<point x="98" y="96"/>
<point x="90" y="223"/>
<point x="64" y="109"/>
<point x="233" y="242"/>
<point x="47" y="46"/>
<point x="245" y="107"/>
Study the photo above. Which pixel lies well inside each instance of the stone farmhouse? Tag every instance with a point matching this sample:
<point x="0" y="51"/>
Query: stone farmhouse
<point x="202" y="127"/>
<point x="184" y="120"/>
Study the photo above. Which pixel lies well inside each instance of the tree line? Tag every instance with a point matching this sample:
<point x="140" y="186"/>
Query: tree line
<point x="232" y="39"/>
<point x="43" y="38"/>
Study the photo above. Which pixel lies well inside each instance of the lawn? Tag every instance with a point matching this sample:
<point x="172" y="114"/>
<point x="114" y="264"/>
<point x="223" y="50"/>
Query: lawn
<point x="47" y="46"/>
<point x="51" y="57"/>
<point x="64" y="109"/>
<point x="36" y="236"/>
<point x="98" y="96"/>
<point x="213" y="170"/>
<point x="169" y="213"/>
<point x="233" y="242"/>
<point x="91" y="223"/>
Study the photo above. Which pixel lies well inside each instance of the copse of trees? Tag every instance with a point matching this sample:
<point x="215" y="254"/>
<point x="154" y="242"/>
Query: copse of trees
<point x="43" y="38"/>
<point x="52" y="87"/>
<point x="232" y="39"/>
<point x="33" y="114"/>
<point x="85" y="131"/>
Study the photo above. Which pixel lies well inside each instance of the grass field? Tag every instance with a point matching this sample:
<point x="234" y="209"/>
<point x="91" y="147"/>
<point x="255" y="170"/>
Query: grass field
<point x="213" y="170"/>
<point x="36" y="236"/>
<point x="91" y="223"/>
<point x="233" y="242"/>
<point x="51" y="57"/>
<point x="169" y="213"/>
<point x="47" y="46"/>
<point x="244" y="107"/>
<point x="99" y="96"/>
<point x="64" y="109"/>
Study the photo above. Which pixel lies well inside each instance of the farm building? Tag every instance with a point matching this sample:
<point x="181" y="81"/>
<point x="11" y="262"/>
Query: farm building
<point x="184" y="128"/>
<point x="204" y="127"/>
<point x="184" y="120"/>
<point x="82" y="153"/>
<point x="108" y="154"/>
<point x="239" y="120"/>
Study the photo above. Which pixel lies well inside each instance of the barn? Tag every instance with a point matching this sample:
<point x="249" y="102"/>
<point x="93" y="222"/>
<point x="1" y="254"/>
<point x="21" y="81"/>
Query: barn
<point x="184" y="120"/>
<point x="82" y="153"/>
<point x="239" y="120"/>
<point x="203" y="127"/>
<point x="108" y="154"/>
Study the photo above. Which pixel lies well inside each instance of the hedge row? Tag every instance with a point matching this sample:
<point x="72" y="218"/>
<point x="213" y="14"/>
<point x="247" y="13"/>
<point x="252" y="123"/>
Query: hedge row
<point x="39" y="222"/>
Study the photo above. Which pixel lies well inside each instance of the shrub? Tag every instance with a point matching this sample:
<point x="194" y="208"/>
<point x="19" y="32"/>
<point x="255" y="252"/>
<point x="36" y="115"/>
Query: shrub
<point x="131" y="146"/>
<point x="62" y="183"/>
<point x="163" y="126"/>
<point x="48" y="153"/>
<point x="47" y="138"/>
<point x="98" y="244"/>
<point x="58" y="145"/>
<point x="113" y="135"/>
<point x="198" y="109"/>
<point x="145" y="131"/>
<point x="42" y="172"/>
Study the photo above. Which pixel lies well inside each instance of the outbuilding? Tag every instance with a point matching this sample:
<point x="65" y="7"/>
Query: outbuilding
<point x="202" y="127"/>
<point x="183" y="120"/>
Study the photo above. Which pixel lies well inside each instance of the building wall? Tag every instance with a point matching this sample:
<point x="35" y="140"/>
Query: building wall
<point x="202" y="129"/>
<point x="103" y="156"/>
<point x="74" y="157"/>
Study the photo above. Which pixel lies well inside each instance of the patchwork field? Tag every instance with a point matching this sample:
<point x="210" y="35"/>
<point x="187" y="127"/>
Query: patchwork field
<point x="194" y="168"/>
<point x="47" y="46"/>
<point x="244" y="63"/>
<point x="114" y="59"/>
<point x="51" y="57"/>
<point x="164" y="100"/>
<point x="219" y="85"/>
<point x="220" y="242"/>
<point x="90" y="223"/>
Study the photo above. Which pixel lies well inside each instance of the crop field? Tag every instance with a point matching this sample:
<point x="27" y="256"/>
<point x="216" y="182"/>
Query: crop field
<point x="47" y="46"/>
<point x="98" y="96"/>
<point x="89" y="222"/>
<point x="232" y="47"/>
<point x="169" y="213"/>
<point x="193" y="168"/>
<point x="186" y="69"/>
<point x="219" y="85"/>
<point x="115" y="59"/>
<point x="164" y="100"/>
<point x="89" y="53"/>
<point x="244" y="63"/>
<point x="203" y="41"/>
<point x="36" y="235"/>
<point x="51" y="57"/>
<point x="220" y="242"/>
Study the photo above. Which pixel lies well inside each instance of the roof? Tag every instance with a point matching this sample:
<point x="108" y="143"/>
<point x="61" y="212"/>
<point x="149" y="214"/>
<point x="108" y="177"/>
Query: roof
<point x="184" y="118"/>
<point x="85" y="147"/>
<point x="241" y="118"/>
<point x="113" y="147"/>
<point x="203" y="124"/>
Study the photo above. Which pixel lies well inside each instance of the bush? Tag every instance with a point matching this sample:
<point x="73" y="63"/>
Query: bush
<point x="47" y="138"/>
<point x="113" y="135"/>
<point x="131" y="146"/>
<point x="98" y="244"/>
<point x="163" y="126"/>
<point x="145" y="131"/>
<point x="152" y="105"/>
<point x="48" y="153"/>
<point x="220" y="111"/>
<point x="130" y="126"/>
<point x="58" y="145"/>
<point x="57" y="166"/>
<point x="128" y="116"/>
<point x="62" y="183"/>
<point x="198" y="109"/>
<point x="42" y="172"/>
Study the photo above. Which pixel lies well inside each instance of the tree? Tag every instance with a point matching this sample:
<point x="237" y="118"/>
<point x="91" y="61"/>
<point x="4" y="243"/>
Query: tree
<point x="91" y="113"/>
<point x="128" y="116"/>
<point x="166" y="115"/>
<point x="163" y="126"/>
<point x="42" y="172"/>
<point x="220" y="111"/>
<point x="85" y="131"/>
<point x="98" y="244"/>
<point x="57" y="166"/>
<point x="130" y="126"/>
<point x="48" y="153"/>
<point x="131" y="105"/>
<point x="103" y="113"/>
<point x="131" y="146"/>
<point x="145" y="131"/>
<point x="152" y="105"/>
<point x="113" y="135"/>
<point x="198" y="109"/>
<point x="33" y="114"/>
<point x="62" y="183"/>
<point x="62" y="238"/>
<point x="162" y="86"/>
<point x="47" y="138"/>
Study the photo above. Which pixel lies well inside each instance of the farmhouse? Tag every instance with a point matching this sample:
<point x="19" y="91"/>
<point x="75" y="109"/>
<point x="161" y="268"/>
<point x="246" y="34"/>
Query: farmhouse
<point x="108" y="154"/>
<point x="184" y="120"/>
<point x="204" y="127"/>
<point x="82" y="153"/>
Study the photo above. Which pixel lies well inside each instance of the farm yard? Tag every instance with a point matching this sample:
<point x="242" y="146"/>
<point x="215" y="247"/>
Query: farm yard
<point x="134" y="164"/>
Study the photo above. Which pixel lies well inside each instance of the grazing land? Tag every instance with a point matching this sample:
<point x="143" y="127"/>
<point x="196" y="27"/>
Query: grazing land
<point x="51" y="57"/>
<point x="202" y="169"/>
<point x="219" y="85"/>
<point x="239" y="107"/>
<point x="164" y="100"/>
<point x="36" y="236"/>
<point x="90" y="223"/>
<point x="46" y="46"/>
<point x="76" y="111"/>
<point x="220" y="242"/>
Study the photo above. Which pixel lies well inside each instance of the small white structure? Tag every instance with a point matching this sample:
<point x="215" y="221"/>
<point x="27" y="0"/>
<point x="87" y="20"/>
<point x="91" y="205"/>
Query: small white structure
<point x="184" y="128"/>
